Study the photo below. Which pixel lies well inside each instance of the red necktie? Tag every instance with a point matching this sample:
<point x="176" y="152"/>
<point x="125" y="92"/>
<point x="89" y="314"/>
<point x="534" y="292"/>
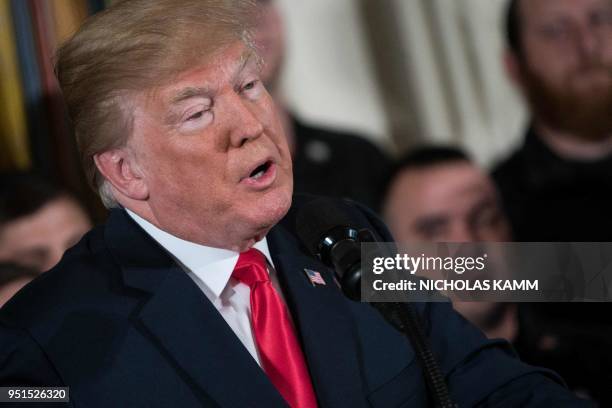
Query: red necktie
<point x="279" y="350"/>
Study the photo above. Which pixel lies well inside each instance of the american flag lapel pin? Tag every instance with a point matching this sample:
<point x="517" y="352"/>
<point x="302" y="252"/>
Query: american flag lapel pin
<point x="314" y="277"/>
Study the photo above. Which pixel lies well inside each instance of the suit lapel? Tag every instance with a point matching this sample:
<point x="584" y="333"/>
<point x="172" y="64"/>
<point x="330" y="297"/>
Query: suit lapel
<point x="195" y="335"/>
<point x="324" y="323"/>
<point x="178" y="319"/>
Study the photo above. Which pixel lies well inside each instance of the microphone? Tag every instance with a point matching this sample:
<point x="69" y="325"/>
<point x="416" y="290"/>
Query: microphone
<point x="333" y="231"/>
<point x="329" y="233"/>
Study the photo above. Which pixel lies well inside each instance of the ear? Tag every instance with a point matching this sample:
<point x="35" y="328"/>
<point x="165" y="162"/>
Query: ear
<point x="512" y="64"/>
<point x="119" y="168"/>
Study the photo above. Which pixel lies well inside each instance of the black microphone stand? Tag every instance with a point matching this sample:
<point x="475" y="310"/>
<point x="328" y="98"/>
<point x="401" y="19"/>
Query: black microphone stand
<point x="341" y="249"/>
<point x="404" y="318"/>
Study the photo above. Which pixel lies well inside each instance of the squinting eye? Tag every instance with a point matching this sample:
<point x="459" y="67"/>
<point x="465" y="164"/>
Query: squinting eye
<point x="197" y="120"/>
<point x="195" y="116"/>
<point x="250" y="85"/>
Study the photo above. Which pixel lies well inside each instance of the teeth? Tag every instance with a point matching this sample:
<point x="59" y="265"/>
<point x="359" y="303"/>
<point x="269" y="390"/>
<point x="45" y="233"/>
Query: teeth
<point x="258" y="174"/>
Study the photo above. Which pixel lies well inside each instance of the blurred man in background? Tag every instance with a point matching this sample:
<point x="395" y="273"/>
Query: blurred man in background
<point x="439" y="195"/>
<point x="38" y="222"/>
<point x="325" y="162"/>
<point x="558" y="185"/>
<point x="436" y="194"/>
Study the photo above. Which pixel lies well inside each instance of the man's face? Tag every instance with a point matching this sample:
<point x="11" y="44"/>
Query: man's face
<point x="39" y="240"/>
<point x="450" y="202"/>
<point x="212" y="153"/>
<point x="566" y="65"/>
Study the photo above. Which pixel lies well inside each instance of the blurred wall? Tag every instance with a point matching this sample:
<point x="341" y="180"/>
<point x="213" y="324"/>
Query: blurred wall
<point x="329" y="73"/>
<point x="404" y="72"/>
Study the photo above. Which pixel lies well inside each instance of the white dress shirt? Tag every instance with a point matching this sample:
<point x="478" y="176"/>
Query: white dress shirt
<point x="211" y="269"/>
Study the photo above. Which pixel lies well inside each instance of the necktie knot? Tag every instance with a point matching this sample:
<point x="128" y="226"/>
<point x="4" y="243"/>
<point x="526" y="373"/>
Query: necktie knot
<point x="251" y="268"/>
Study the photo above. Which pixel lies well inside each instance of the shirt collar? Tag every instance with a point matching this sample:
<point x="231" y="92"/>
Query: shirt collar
<point x="213" y="266"/>
<point x="543" y="169"/>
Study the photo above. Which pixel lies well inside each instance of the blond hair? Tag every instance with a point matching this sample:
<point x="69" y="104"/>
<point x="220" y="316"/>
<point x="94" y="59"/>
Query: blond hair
<point x="134" y="46"/>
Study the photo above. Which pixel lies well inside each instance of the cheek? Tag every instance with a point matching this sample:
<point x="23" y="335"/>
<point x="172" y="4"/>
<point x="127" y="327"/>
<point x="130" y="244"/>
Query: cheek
<point x="402" y="228"/>
<point x="272" y="122"/>
<point x="188" y="178"/>
<point x="550" y="62"/>
<point x="607" y="54"/>
<point x="190" y="158"/>
<point x="287" y="160"/>
<point x="548" y="75"/>
<point x="498" y="232"/>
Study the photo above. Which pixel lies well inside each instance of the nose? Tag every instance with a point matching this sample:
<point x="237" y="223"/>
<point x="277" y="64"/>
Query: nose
<point x="245" y="122"/>
<point x="587" y="42"/>
<point x="462" y="232"/>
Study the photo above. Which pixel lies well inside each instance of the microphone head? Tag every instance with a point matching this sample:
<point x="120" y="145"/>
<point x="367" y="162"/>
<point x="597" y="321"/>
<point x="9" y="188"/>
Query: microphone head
<point x="319" y="217"/>
<point x="329" y="228"/>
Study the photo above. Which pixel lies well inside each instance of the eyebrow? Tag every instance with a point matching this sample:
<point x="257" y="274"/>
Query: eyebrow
<point x="485" y="203"/>
<point x="206" y="92"/>
<point x="247" y="56"/>
<point x="429" y="221"/>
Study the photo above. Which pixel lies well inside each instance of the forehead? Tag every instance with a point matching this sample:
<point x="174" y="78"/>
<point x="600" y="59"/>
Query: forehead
<point x="535" y="10"/>
<point x="441" y="188"/>
<point x="205" y="76"/>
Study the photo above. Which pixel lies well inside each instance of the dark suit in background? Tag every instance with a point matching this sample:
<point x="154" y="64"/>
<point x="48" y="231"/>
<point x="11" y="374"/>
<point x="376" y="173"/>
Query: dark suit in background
<point x="338" y="164"/>
<point x="551" y="198"/>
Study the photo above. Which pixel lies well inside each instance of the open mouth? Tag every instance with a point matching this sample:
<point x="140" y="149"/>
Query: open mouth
<point x="260" y="170"/>
<point x="262" y="176"/>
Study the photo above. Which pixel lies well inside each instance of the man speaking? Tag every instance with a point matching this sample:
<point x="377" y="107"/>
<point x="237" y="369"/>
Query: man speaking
<point x="196" y="292"/>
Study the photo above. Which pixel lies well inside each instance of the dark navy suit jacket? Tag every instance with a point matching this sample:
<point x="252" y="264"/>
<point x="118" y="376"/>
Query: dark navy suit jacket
<point x="122" y="325"/>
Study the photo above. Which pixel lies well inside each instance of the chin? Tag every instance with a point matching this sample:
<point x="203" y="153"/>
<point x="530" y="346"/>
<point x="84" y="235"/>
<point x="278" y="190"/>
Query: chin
<point x="259" y="222"/>
<point x="266" y="212"/>
<point x="275" y="206"/>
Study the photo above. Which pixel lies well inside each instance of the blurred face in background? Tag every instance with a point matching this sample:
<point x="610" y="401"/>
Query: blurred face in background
<point x="447" y="202"/>
<point x="452" y="202"/>
<point x="565" y="68"/>
<point x="39" y="240"/>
